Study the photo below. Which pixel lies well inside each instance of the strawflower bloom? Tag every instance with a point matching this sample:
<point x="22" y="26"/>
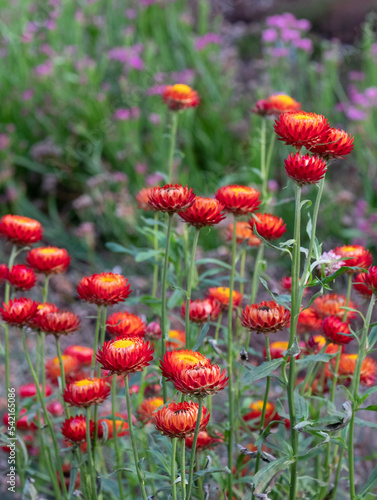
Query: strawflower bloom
<point x="305" y="169"/>
<point x="276" y="104"/>
<point x="222" y="295"/>
<point x="22" y="277"/>
<point x="48" y="260"/>
<point x="74" y="429"/>
<point x="368" y="373"/>
<point x="255" y="415"/>
<point x="205" y="441"/>
<point x="203" y="212"/>
<point x="178" y="339"/>
<point x="336" y="144"/>
<point x="125" y="356"/>
<point x="355" y="256"/>
<point x="268" y="226"/>
<point x="178" y="420"/>
<point x="316" y="343"/>
<point x="121" y="425"/>
<point x="24" y="422"/>
<point x="82" y="353"/>
<point x="43" y="308"/>
<point x="199" y="310"/>
<point x="4" y="271"/>
<point x="142" y="199"/>
<point x="243" y="234"/>
<point x="239" y="200"/>
<point x="124" y="324"/>
<point x="299" y="128"/>
<point x="370" y="279"/>
<point x="30" y="390"/>
<point x="148" y="407"/>
<point x="104" y="289"/>
<point x="70" y="365"/>
<point x="277" y="349"/>
<point x="286" y="284"/>
<point x="20" y="230"/>
<point x="266" y="317"/>
<point x="58" y="323"/>
<point x="333" y="328"/>
<point x="332" y="304"/>
<point x="180" y="96"/>
<point x="361" y="287"/>
<point x="308" y="321"/>
<point x="171" y="198"/>
<point x="19" y="312"/>
<point x="86" y="392"/>
<point x="153" y="331"/>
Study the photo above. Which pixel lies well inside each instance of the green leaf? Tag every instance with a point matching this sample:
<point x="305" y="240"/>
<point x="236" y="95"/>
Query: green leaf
<point x="264" y="476"/>
<point x="321" y="357"/>
<point x="175" y="298"/>
<point x="141" y="256"/>
<point x="370" y="408"/>
<point x="211" y="470"/>
<point x="372" y="337"/>
<point x="213" y="261"/>
<point x="366" y="395"/>
<point x="371" y="483"/>
<point x="283" y="300"/>
<point x="301" y="405"/>
<point x="255" y="373"/>
<point x="117" y="248"/>
<point x="202" y="335"/>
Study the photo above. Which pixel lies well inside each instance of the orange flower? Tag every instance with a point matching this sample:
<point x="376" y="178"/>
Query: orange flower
<point x="277" y="349"/>
<point x="333" y="328"/>
<point x="199" y="310"/>
<point x="148" y="407"/>
<point x="30" y="391"/>
<point x="104" y="289"/>
<point x="276" y="104"/>
<point x="192" y="373"/>
<point x="355" y="256"/>
<point x="256" y="413"/>
<point x="125" y="356"/>
<point x="82" y="353"/>
<point x="336" y="144"/>
<point x="266" y="317"/>
<point x="22" y="277"/>
<point x="305" y="169"/>
<point x="299" y="128"/>
<point x="269" y="226"/>
<point x="124" y="324"/>
<point x="86" y="392"/>
<point x="142" y="199"/>
<point x="203" y="212"/>
<point x="121" y="425"/>
<point x="368" y="373"/>
<point x="222" y="295"/>
<point x="58" y="323"/>
<point x="239" y="200"/>
<point x="20" y="230"/>
<point x="316" y="342"/>
<point x="333" y="304"/>
<point x="205" y="441"/>
<point x="361" y="287"/>
<point x="19" y="312"/>
<point x="180" y="96"/>
<point x="178" y="420"/>
<point x="48" y="260"/>
<point x="243" y="233"/>
<point x="74" y="429"/>
<point x="70" y="365"/>
<point x="171" y="198"/>
<point x="178" y="339"/>
<point x="308" y="320"/>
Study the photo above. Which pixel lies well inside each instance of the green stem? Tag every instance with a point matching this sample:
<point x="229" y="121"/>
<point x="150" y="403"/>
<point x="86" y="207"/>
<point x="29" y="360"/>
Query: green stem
<point x="242" y="286"/>
<point x="269" y="155"/>
<point x="102" y="340"/>
<point x="6" y="327"/>
<point x="201" y="478"/>
<point x="348" y="296"/>
<point x="115" y="437"/>
<point x="218" y="324"/>
<point x="173" y="136"/>
<point x="337" y="474"/>
<point x="96" y="336"/>
<point x="132" y="436"/>
<point x="103" y="335"/>
<point x="263" y="159"/>
<point x="155" y="248"/>
<point x="92" y="471"/>
<point x="172" y="468"/>
<point x="183" y="468"/>
<point x="255" y="285"/>
<point x="193" y="449"/>
<point x="43" y="336"/>
<point x="164" y="332"/>
<point x="189" y="287"/>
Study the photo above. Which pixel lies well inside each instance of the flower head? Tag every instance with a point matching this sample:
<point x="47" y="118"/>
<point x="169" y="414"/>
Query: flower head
<point x="142" y="199"/>
<point x="305" y="169"/>
<point x="58" y="323"/>
<point x="276" y="104"/>
<point x="70" y="365"/>
<point x="171" y="198"/>
<point x="315" y="343"/>
<point x="243" y="234"/>
<point x="86" y="392"/>
<point x="82" y="353"/>
<point x="336" y="144"/>
<point x="269" y="226"/>
<point x="153" y="331"/>
<point x="370" y="279"/>
<point x="277" y="349"/>
<point x="121" y="426"/>
<point x="148" y="407"/>
<point x="22" y="277"/>
<point x="286" y="284"/>
<point x="239" y="200"/>
<point x="368" y="374"/>
<point x="4" y="271"/>
<point x="222" y="295"/>
<point x="355" y="256"/>
<point x="205" y="441"/>
<point x="332" y="304"/>
<point x="199" y="310"/>
<point x="30" y="391"/>
<point x="19" y="312"/>
<point x="203" y="212"/>
<point x="20" y="230"/>
<point x="178" y="339"/>
<point x="178" y="420"/>
<point x="24" y="422"/>
<point x="333" y="329"/>
<point x="363" y="288"/>
<point x="48" y="260"/>
<point x="180" y="96"/>
<point x="308" y="320"/>
<point x="124" y="324"/>
<point x="254" y="416"/>
<point x="299" y="128"/>
<point x="74" y="429"/>
<point x="266" y="317"/>
<point x="104" y="289"/>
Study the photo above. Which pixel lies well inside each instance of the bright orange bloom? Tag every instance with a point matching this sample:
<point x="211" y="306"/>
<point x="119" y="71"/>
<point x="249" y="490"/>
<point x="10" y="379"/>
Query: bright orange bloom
<point x="142" y="199"/>
<point x="104" y="289"/>
<point x="22" y="277"/>
<point x="336" y="144"/>
<point x="148" y="407"/>
<point x="4" y="271"/>
<point x="205" y="441"/>
<point x="203" y="212"/>
<point x="74" y="429"/>
<point x="178" y="339"/>
<point x="355" y="256"/>
<point x="171" y="198"/>
<point x="20" y="230"/>
<point x="243" y="233"/>
<point x="239" y="200"/>
<point x="308" y="320"/>
<point x="266" y="317"/>
<point x="222" y="295"/>
<point x="19" y="312"/>
<point x="48" y="260"/>
<point x="277" y="349"/>
<point x="58" y="323"/>
<point x="125" y="356"/>
<point x="87" y="392"/>
<point x="30" y="390"/>
<point x="316" y="342"/>
<point x="192" y="373"/>
<point x="200" y="310"/>
<point x="82" y="353"/>
<point x="124" y="324"/>
<point x="178" y="420"/>
<point x="332" y="304"/>
<point x="256" y="413"/>
<point x="70" y="365"/>
<point x="361" y="287"/>
<point x="268" y="226"/>
<point x="333" y="328"/>
<point x="368" y="373"/>
<point x="121" y="425"/>
<point x="276" y="104"/>
<point x="305" y="169"/>
<point x="180" y="96"/>
<point x="299" y="128"/>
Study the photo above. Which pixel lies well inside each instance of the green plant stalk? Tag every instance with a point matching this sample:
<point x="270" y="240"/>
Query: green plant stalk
<point x="348" y="296"/>
<point x="242" y="285"/>
<point x="172" y="468"/>
<point x="201" y="478"/>
<point x="46" y="419"/>
<point x="183" y="468"/>
<point x="263" y="159"/>
<point x="173" y="137"/>
<point x="269" y="156"/>
<point x="155" y="265"/>
<point x="295" y="310"/>
<point x="96" y="336"/>
<point x="43" y="335"/>
<point x="164" y="332"/>
<point x="193" y="448"/>
<point x="255" y="284"/>
<point x="92" y="471"/>
<point x="355" y="392"/>
<point x="189" y="287"/>
<point x="62" y="374"/>
<point x="132" y="437"/>
<point x="218" y="324"/>
<point x="6" y="327"/>
<point x="115" y="436"/>
<point x="337" y="474"/>
<point x="103" y="335"/>
<point x="150" y="462"/>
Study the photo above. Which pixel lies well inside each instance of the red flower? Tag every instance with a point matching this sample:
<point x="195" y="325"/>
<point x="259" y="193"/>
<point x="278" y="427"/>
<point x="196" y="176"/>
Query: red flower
<point x="180" y="96"/>
<point x="148" y="407"/>
<point x="332" y="304"/>
<point x="104" y="289"/>
<point x="370" y="280"/>
<point x="48" y="260"/>
<point x="20" y="230"/>
<point x="239" y="200"/>
<point x="124" y="324"/>
<point x="277" y="349"/>
<point x="171" y="198"/>
<point x="30" y="390"/>
<point x="43" y="308"/>
<point x="266" y="317"/>
<point x="243" y="233"/>
<point x="286" y="284"/>
<point x="86" y="392"/>
<point x="361" y="287"/>
<point x="299" y="128"/>
<point x="305" y="169"/>
<point x="74" y="429"/>
<point x="58" y="323"/>
<point x="368" y="373"/>
<point x="70" y="365"/>
<point x="4" y="271"/>
<point x="255" y="415"/>
<point x="153" y="331"/>
<point x="269" y="226"/>
<point x="205" y="441"/>
<point x="337" y="144"/>
<point x="19" y="312"/>
<point x="316" y="342"/>
<point x="203" y="212"/>
<point x="24" y="423"/>
<point x="276" y="104"/>
<point x="125" y="356"/>
<point x="308" y="320"/>
<point x="333" y="328"/>
<point x="199" y="310"/>
<point x="178" y="420"/>
<point x="82" y="353"/>
<point x="142" y="199"/>
<point x="121" y="426"/>
<point x="22" y="277"/>
<point x="178" y="339"/>
<point x="355" y="256"/>
<point x="222" y="295"/>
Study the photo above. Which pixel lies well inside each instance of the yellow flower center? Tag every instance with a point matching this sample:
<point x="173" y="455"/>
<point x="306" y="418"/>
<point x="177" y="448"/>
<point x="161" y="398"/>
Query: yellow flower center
<point x="107" y="279"/>
<point x="224" y="291"/>
<point x="280" y="345"/>
<point x="25" y="220"/>
<point x="123" y="344"/>
<point x="156" y="403"/>
<point x="188" y="358"/>
<point x="258" y="405"/>
<point x="349" y="248"/>
<point x="352" y="356"/>
<point x="48" y="251"/>
<point x="241" y="189"/>
<point x="303" y="117"/>
<point x="181" y="88"/>
<point x="282" y="99"/>
<point x="84" y="383"/>
<point x="319" y="339"/>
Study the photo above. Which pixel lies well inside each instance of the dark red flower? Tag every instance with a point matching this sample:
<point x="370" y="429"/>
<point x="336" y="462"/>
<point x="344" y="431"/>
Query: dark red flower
<point x="333" y="328"/>
<point x="370" y="279"/>
<point x="58" y="323"/>
<point x="3" y="273"/>
<point x="20" y="230"/>
<point x="74" y="429"/>
<point x="22" y="277"/>
<point x="268" y="226"/>
<point x="203" y="212"/>
<point x="305" y="169"/>
<point x="171" y="198"/>
<point x="205" y="441"/>
<point x="19" y="312"/>
<point x="361" y="287"/>
<point x="104" y="289"/>
<point x="30" y="390"/>
<point x="336" y="144"/>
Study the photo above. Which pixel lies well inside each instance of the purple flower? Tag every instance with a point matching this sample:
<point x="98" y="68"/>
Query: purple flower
<point x="141" y="168"/>
<point x="332" y="261"/>
<point x="28" y="95"/>
<point x="127" y="114"/>
<point x="4" y="142"/>
<point x="288" y="35"/>
<point x="304" y="44"/>
<point x="202" y="42"/>
<point x="154" y="179"/>
<point x="131" y="14"/>
<point x="128" y="55"/>
<point x="303" y="24"/>
<point x="356" y="76"/>
<point x="154" y="118"/>
<point x="269" y="35"/>
<point x="279" y="52"/>
<point x="156" y="90"/>
<point x="355" y="114"/>
<point x="44" y="69"/>
<point x="371" y="94"/>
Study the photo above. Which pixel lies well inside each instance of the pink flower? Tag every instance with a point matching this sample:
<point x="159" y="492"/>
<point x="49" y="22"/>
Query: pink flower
<point x="269" y="35"/>
<point x="28" y="95"/>
<point x="202" y="42"/>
